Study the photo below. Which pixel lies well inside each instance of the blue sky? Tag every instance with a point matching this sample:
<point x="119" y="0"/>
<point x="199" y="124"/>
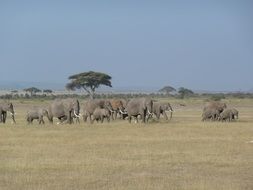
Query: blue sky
<point x="201" y="45"/>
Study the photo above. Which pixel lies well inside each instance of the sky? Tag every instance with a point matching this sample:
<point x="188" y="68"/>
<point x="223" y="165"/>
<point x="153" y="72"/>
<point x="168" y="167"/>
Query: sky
<point x="200" y="45"/>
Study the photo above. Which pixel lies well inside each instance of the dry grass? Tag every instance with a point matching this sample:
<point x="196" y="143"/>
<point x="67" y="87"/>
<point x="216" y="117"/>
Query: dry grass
<point x="181" y="154"/>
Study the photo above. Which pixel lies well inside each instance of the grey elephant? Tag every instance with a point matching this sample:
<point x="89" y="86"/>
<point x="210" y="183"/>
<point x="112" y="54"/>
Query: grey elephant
<point x="36" y="113"/>
<point x="226" y="115"/>
<point x="118" y="107"/>
<point x="100" y="114"/>
<point x="161" y="108"/>
<point x="220" y="106"/>
<point x="210" y="114"/>
<point x="90" y="106"/>
<point x="139" y="106"/>
<point x="235" y="113"/>
<point x="4" y="108"/>
<point x="64" y="109"/>
<point x="229" y="115"/>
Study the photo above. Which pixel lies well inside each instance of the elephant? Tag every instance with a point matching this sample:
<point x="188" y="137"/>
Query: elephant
<point x="139" y="106"/>
<point x="117" y="107"/>
<point x="64" y="110"/>
<point x="100" y="113"/>
<point x="161" y="108"/>
<point x="235" y="113"/>
<point x="36" y="113"/>
<point x="220" y="106"/>
<point x="226" y="115"/>
<point x="4" y="108"/>
<point x="90" y="106"/>
<point x="212" y="114"/>
<point x="229" y="114"/>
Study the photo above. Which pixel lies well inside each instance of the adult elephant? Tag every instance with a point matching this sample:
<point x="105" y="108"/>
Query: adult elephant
<point x="161" y="108"/>
<point x="117" y="107"/>
<point x="220" y="106"/>
<point x="139" y="106"/>
<point x="4" y="108"/>
<point x="64" y="109"/>
<point x="90" y="106"/>
<point x="210" y="114"/>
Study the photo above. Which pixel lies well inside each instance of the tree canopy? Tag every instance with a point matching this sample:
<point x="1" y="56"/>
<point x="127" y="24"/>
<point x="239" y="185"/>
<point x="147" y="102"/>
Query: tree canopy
<point x="88" y="81"/>
<point x="167" y="89"/>
<point x="185" y="92"/>
<point x="32" y="90"/>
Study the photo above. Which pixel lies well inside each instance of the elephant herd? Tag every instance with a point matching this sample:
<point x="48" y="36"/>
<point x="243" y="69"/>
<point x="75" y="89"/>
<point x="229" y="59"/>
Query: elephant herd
<point x="70" y="110"/>
<point x="218" y="111"/>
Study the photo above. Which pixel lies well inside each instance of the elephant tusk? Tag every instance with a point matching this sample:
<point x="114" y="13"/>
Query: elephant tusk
<point x="11" y="113"/>
<point x="125" y="112"/>
<point x="76" y="114"/>
<point x="111" y="111"/>
<point x="149" y="112"/>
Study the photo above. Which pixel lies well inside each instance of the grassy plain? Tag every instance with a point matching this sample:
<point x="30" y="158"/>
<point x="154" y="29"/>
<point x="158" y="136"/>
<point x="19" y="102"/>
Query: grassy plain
<point x="183" y="153"/>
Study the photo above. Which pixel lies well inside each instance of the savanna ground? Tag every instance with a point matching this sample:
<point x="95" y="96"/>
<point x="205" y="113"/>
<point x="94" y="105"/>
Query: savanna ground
<point x="183" y="153"/>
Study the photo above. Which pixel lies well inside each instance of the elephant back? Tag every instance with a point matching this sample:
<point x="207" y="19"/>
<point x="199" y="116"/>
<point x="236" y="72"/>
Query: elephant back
<point x="62" y="107"/>
<point x="220" y="106"/>
<point x="90" y="105"/>
<point x="136" y="105"/>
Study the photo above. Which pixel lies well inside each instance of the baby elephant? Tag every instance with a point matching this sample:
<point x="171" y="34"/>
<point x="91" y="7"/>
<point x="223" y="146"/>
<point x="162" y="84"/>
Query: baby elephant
<point x="229" y="115"/>
<point x="100" y="113"/>
<point x="211" y="114"/>
<point x="235" y="113"/>
<point x="36" y="113"/>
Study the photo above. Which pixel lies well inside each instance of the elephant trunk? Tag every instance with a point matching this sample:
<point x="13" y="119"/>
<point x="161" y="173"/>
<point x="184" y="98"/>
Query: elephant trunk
<point x="76" y="115"/>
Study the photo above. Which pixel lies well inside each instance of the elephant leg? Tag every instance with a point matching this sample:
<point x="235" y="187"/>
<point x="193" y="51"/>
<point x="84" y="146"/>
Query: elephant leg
<point x="69" y="118"/>
<point x="4" y="117"/>
<point x="157" y="115"/>
<point x="85" y="118"/>
<point x="129" y="118"/>
<point x="92" y="120"/>
<point x="28" y="120"/>
<point x="42" y="120"/>
<point x="50" y="119"/>
<point x="89" y="115"/>
<point x="136" y="119"/>
<point x="143" y="116"/>
<point x="115" y="115"/>
<point x="165" y="115"/>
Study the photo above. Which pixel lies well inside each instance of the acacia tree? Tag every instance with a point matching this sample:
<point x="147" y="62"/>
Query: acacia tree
<point x="183" y="92"/>
<point x="167" y="89"/>
<point x="32" y="90"/>
<point x="88" y="81"/>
